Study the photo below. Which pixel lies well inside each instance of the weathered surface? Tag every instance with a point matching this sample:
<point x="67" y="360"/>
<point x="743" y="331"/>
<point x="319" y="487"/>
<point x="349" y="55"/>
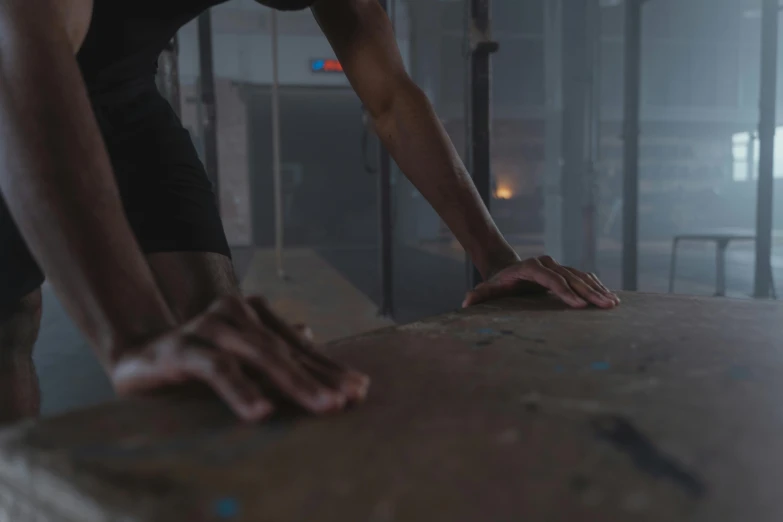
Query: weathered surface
<point x="665" y="409"/>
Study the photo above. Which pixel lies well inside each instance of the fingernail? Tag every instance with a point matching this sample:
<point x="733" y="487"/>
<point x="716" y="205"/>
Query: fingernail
<point x="325" y="402"/>
<point x="258" y="410"/>
<point x="357" y="387"/>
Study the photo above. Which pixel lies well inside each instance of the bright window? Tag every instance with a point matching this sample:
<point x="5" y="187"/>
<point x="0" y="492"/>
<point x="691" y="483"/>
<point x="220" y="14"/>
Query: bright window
<point x="745" y="153"/>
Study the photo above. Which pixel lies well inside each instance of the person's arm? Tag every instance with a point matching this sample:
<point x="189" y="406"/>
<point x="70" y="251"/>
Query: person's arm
<point x="56" y="178"/>
<point x="57" y="181"/>
<point x="362" y="37"/>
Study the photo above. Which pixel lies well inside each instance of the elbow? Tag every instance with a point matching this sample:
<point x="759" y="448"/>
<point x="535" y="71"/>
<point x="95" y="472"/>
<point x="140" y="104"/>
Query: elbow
<point x="75" y="16"/>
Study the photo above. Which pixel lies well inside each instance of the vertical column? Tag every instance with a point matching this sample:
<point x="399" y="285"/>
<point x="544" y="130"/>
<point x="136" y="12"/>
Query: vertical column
<point x="633" y="50"/>
<point x="479" y="94"/>
<point x="577" y="104"/>
<point x="415" y="219"/>
<point x="767" y="110"/>
<point x="553" y="147"/>
<point x="277" y="173"/>
<point x="570" y="131"/>
<point x="386" y="233"/>
<point x="208" y="102"/>
<point x="593" y="141"/>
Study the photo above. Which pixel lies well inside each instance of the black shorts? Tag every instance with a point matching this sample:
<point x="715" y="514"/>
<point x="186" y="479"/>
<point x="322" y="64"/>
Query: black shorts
<point x="168" y="198"/>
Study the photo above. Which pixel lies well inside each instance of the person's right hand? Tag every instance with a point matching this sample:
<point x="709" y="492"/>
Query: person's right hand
<point x="248" y="356"/>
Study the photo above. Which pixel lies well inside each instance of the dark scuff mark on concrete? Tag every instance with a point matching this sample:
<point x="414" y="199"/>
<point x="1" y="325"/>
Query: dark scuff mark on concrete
<point x="625" y="437"/>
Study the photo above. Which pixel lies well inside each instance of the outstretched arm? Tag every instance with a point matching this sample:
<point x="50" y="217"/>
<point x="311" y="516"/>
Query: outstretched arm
<point x="57" y="181"/>
<point x="362" y="37"/>
<point x="56" y="178"/>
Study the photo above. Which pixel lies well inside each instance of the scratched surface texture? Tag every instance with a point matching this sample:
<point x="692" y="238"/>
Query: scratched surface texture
<point x="668" y="408"/>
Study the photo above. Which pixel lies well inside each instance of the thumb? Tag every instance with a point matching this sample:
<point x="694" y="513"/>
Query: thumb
<point x="487" y="291"/>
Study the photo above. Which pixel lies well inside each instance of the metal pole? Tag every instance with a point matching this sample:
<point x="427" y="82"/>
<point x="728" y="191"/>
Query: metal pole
<point x="575" y="128"/>
<point x="385" y="224"/>
<point x="633" y="58"/>
<point x="767" y="111"/>
<point x="276" y="148"/>
<point x="553" y="137"/>
<point x="208" y="103"/>
<point x="593" y="142"/>
<point x="479" y="117"/>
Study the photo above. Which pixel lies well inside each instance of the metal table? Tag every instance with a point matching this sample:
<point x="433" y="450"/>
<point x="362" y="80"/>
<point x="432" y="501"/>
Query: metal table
<point x="667" y="408"/>
<point x="721" y="240"/>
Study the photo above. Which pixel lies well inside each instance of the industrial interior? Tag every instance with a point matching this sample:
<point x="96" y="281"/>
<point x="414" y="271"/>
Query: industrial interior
<point x="633" y="139"/>
<point x="349" y="267"/>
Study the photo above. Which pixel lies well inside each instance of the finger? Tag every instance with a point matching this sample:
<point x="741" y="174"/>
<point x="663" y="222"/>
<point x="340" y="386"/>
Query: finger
<point x="594" y="282"/>
<point x="351" y="383"/>
<point x="558" y="285"/>
<point x="266" y="353"/>
<point x="354" y="384"/>
<point x="234" y="311"/>
<point x="585" y="287"/>
<point x="582" y="288"/>
<point x="610" y="293"/>
<point x="224" y="375"/>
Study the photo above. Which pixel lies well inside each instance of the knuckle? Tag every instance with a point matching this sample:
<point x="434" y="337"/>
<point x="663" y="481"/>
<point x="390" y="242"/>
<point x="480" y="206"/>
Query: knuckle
<point x="229" y="304"/>
<point x="218" y="366"/>
<point x="233" y="308"/>
<point x="205" y="326"/>
<point x="546" y="259"/>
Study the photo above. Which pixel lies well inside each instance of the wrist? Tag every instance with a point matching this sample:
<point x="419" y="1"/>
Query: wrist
<point x="494" y="258"/>
<point x="133" y="327"/>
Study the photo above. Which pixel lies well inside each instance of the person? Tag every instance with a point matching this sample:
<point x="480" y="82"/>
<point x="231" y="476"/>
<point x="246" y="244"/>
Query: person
<point x="103" y="192"/>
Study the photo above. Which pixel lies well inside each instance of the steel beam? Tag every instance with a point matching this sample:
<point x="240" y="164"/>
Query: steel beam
<point x="632" y="102"/>
<point x="478" y="119"/>
<point x="767" y="107"/>
<point x="386" y="225"/>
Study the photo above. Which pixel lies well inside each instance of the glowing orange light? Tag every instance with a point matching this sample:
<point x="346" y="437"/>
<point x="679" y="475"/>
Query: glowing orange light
<point x="503" y="193"/>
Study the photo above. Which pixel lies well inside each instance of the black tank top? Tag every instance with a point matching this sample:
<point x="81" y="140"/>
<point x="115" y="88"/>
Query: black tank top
<point x="126" y="37"/>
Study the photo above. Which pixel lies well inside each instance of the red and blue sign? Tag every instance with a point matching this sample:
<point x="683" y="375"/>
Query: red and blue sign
<point x="326" y="66"/>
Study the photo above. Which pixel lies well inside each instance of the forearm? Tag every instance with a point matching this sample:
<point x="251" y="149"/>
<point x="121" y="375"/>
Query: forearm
<point x="414" y="136"/>
<point x="57" y="181"/>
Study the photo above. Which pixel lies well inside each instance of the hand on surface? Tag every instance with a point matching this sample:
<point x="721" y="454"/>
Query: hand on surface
<point x="541" y="274"/>
<point x="248" y="356"/>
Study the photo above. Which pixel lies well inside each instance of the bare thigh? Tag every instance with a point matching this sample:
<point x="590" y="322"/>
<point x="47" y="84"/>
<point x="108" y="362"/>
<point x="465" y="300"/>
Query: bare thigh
<point x="191" y="281"/>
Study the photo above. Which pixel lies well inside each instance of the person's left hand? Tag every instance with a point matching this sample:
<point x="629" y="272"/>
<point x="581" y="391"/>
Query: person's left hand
<point x="541" y="274"/>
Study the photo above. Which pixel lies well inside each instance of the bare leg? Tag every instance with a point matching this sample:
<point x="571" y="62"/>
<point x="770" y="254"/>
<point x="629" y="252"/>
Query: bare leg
<point x="20" y="396"/>
<point x="190" y="281"/>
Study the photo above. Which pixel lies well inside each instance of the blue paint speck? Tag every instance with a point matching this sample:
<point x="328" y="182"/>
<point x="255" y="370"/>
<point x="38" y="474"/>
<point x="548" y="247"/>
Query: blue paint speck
<point x="559" y="368"/>
<point x="600" y="366"/>
<point x="227" y="507"/>
<point x="488" y="331"/>
<point x="740" y="373"/>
